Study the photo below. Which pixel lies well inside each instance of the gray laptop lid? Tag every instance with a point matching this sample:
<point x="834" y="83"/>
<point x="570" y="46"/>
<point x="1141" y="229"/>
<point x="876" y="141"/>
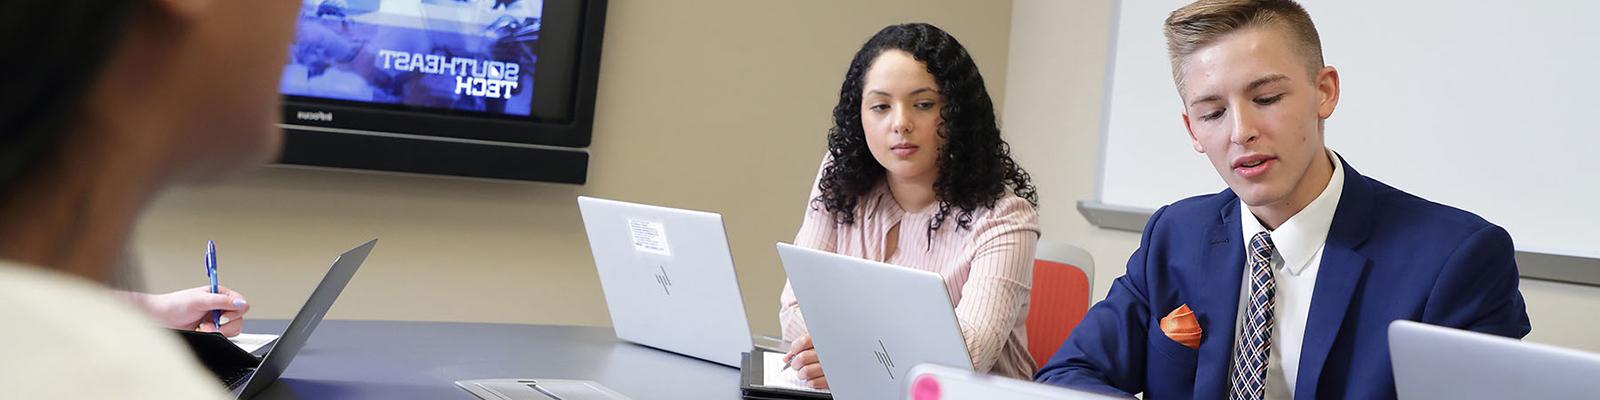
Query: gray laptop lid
<point x="668" y="278"/>
<point x="1432" y="362"/>
<point x="294" y="337"/>
<point x="871" y="322"/>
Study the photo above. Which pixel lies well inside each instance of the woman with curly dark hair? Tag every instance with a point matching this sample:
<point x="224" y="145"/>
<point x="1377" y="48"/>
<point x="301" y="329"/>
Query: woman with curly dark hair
<point x="918" y="176"/>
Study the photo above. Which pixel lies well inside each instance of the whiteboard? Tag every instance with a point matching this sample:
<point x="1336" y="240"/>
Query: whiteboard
<point x="1484" y="106"/>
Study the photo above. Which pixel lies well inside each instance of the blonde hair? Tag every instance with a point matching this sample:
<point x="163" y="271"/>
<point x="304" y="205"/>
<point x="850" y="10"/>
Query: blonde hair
<point x="1202" y="23"/>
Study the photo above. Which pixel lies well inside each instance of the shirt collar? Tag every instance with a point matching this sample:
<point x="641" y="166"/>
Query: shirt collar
<point x="1300" y="238"/>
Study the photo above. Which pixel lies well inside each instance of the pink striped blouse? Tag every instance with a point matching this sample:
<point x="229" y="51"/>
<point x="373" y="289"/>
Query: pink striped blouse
<point x="988" y="268"/>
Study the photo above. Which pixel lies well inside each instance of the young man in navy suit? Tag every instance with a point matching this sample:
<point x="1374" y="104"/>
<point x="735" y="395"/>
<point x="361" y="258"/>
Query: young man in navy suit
<point x="1283" y="285"/>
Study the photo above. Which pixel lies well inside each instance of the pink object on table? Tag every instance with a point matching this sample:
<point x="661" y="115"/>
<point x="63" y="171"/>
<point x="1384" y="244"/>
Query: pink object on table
<point x="926" y="388"/>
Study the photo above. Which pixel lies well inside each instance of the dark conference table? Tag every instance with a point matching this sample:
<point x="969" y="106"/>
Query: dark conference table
<point x="422" y="360"/>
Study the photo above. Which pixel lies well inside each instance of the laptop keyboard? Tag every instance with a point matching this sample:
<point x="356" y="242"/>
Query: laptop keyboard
<point x="238" y="378"/>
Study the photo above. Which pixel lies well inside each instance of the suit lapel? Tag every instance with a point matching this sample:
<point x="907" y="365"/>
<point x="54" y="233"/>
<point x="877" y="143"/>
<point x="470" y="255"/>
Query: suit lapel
<point x="1216" y="301"/>
<point x="1340" y="275"/>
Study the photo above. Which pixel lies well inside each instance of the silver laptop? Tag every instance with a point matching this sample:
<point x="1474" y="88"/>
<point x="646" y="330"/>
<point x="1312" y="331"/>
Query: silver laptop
<point x="255" y="380"/>
<point x="1432" y="362"/>
<point x="871" y="322"/>
<point x="935" y="382"/>
<point x="668" y="278"/>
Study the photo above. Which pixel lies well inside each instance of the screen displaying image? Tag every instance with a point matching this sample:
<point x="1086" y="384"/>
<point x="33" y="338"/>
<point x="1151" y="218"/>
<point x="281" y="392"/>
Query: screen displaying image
<point x="461" y="55"/>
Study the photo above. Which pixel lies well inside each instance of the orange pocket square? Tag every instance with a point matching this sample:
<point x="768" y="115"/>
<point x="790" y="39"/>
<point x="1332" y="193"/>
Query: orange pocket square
<point x="1181" y="327"/>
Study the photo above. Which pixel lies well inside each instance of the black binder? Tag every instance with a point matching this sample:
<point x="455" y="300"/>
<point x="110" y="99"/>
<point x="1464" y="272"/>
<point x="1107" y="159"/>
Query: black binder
<point x="750" y="382"/>
<point x="224" y="359"/>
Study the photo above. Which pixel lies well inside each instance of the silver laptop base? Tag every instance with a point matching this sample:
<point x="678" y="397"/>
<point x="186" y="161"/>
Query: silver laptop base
<point x="538" y="389"/>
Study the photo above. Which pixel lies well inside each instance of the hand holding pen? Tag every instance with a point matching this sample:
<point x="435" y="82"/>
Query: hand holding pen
<point x="191" y="309"/>
<point x="802" y="357"/>
<point x="210" y="308"/>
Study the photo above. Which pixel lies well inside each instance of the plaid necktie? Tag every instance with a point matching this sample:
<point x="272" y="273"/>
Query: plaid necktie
<point x="1255" y="339"/>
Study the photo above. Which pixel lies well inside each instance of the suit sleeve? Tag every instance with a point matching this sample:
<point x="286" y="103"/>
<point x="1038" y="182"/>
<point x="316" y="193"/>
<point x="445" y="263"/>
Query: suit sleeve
<point x="1477" y="289"/>
<point x="1106" y="352"/>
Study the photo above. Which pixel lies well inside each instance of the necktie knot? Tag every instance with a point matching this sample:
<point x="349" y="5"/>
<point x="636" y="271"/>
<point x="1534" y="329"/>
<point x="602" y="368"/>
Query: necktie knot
<point x="1261" y="246"/>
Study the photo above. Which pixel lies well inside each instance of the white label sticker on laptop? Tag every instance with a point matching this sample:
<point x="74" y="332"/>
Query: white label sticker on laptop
<point x="649" y="236"/>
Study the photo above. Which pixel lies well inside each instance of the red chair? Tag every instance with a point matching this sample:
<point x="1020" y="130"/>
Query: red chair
<point x="1063" y="282"/>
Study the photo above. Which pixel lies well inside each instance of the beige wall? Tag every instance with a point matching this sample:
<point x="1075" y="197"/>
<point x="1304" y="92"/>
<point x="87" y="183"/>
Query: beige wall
<point x="1054" y="108"/>
<point x="1055" y="105"/>
<point x="710" y="105"/>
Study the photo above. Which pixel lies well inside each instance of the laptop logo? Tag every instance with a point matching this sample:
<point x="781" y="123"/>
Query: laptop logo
<point x="308" y="327"/>
<point x="664" y="280"/>
<point x="883" y="358"/>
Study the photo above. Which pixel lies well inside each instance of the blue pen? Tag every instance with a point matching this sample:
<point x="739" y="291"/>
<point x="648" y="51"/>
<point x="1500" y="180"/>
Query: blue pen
<point x="211" y="272"/>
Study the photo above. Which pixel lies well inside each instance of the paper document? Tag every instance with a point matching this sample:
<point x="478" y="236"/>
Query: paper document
<point x="773" y="375"/>
<point x="251" y="342"/>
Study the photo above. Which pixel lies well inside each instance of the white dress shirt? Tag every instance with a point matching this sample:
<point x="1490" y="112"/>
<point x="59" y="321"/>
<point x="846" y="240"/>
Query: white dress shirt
<point x="1297" y="254"/>
<point x="65" y="337"/>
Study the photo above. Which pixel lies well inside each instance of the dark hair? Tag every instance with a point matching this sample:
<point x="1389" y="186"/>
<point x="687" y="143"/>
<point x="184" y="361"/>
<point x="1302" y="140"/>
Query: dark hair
<point x="58" y="49"/>
<point x="975" y="165"/>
